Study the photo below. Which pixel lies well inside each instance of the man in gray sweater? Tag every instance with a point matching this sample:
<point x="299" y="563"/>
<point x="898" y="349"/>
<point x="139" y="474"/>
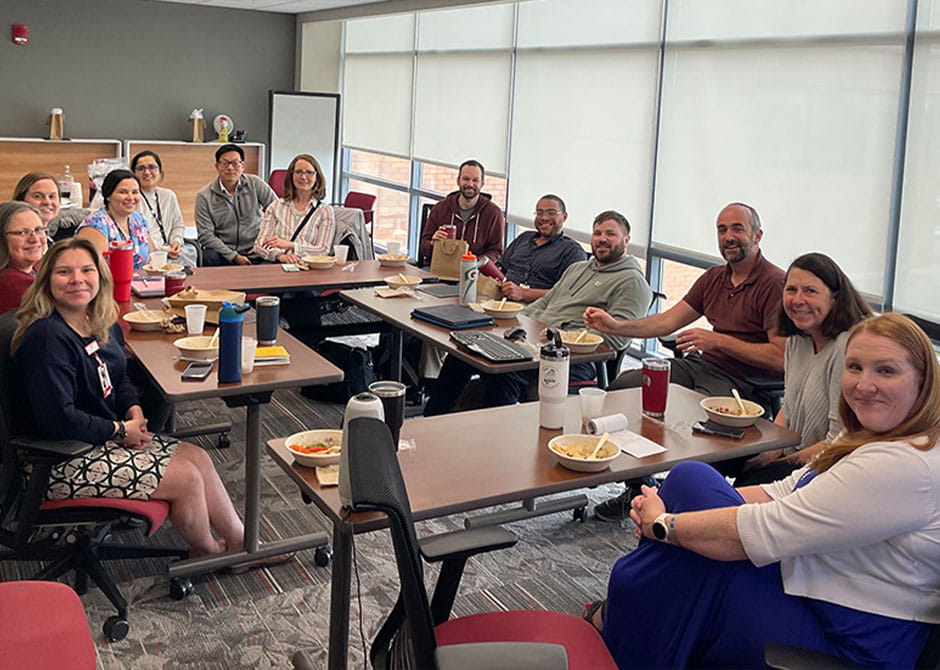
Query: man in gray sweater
<point x="229" y="209"/>
<point x="611" y="280"/>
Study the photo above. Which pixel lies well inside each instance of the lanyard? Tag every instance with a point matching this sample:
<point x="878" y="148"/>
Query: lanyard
<point x="805" y="479"/>
<point x="157" y="215"/>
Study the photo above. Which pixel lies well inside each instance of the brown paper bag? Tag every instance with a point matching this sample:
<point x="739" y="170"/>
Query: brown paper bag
<point x="55" y="123"/>
<point x="487" y="287"/>
<point x="445" y="258"/>
<point x="196" y="130"/>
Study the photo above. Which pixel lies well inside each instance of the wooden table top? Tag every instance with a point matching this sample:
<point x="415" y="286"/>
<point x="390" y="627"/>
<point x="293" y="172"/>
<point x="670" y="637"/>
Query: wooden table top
<point x="470" y="460"/>
<point x="157" y="354"/>
<point x="272" y="277"/>
<point x="397" y="311"/>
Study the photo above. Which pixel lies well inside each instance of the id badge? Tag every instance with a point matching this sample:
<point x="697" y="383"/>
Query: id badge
<point x="104" y="377"/>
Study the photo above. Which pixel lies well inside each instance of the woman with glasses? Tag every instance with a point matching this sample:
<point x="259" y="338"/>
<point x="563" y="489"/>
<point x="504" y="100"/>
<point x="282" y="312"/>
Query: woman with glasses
<point x="119" y="220"/>
<point x="22" y="245"/>
<point x="41" y="190"/>
<point x="158" y="205"/>
<point x="298" y="224"/>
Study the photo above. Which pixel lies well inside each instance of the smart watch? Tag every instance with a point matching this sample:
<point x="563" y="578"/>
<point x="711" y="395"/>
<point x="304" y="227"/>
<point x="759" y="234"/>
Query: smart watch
<point x="661" y="527"/>
<point x="120" y="433"/>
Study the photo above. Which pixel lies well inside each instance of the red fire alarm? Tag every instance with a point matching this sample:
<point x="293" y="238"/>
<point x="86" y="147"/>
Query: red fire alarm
<point x="20" y="34"/>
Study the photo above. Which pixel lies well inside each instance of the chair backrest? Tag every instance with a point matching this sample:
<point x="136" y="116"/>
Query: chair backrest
<point x="11" y="398"/>
<point x="376" y="484"/>
<point x="276" y="181"/>
<point x="363" y="201"/>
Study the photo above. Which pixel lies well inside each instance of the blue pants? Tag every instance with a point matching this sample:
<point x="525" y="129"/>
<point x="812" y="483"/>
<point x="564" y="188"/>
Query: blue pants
<point x="668" y="607"/>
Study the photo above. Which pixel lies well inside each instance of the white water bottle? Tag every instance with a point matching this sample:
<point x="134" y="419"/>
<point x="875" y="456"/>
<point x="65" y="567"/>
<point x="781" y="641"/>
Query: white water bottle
<point x="360" y="405"/>
<point x="553" y="381"/>
<point x="65" y="186"/>
<point x="467" y="289"/>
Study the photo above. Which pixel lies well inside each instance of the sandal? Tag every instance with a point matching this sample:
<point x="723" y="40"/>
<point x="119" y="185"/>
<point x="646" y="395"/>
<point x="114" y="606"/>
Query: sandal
<point x="266" y="562"/>
<point x="590" y="612"/>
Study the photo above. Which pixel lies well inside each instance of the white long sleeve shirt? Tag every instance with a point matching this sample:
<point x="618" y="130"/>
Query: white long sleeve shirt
<point x="281" y="220"/>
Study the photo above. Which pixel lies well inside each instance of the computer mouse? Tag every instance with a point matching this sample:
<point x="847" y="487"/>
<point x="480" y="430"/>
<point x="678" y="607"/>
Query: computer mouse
<point x="514" y="333"/>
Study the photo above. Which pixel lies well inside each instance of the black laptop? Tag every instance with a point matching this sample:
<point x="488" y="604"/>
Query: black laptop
<point x="455" y="317"/>
<point x="441" y="290"/>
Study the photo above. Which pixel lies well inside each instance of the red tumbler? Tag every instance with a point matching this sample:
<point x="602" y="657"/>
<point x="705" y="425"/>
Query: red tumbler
<point x="655" y="386"/>
<point x="121" y="262"/>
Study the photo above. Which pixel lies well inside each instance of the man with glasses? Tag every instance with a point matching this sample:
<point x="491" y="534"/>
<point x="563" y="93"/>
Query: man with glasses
<point x="536" y="259"/>
<point x="229" y="210"/>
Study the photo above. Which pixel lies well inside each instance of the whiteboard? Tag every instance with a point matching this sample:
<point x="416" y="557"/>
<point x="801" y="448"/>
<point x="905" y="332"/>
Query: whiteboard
<point x="305" y="123"/>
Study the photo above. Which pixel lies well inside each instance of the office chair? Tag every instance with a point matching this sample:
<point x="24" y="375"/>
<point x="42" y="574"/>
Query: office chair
<point x="276" y="181"/>
<point x="418" y="633"/>
<point x="65" y="535"/>
<point x="365" y="202"/>
<point x="44" y="627"/>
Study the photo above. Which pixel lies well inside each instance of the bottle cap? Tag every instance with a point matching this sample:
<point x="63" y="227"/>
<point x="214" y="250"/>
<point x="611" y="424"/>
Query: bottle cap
<point x="468" y="256"/>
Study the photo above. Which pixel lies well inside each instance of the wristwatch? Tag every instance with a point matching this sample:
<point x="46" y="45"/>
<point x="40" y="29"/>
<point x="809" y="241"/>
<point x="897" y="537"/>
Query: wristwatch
<point x="664" y="528"/>
<point x="120" y="433"/>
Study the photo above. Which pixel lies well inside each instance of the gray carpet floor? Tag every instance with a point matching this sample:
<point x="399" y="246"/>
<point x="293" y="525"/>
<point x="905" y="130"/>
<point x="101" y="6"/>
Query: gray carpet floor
<point x="259" y="619"/>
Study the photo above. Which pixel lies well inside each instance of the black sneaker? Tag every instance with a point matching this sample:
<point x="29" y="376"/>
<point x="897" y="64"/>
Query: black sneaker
<point x="618" y="509"/>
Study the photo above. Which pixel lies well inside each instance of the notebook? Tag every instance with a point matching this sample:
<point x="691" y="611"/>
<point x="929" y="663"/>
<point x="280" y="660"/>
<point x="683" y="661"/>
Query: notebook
<point x="455" y="317"/>
<point x="441" y="290"/>
<point x="150" y="287"/>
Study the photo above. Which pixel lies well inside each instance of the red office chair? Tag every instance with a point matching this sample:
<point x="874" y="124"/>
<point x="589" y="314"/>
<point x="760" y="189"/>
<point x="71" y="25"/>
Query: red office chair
<point x="276" y="181"/>
<point x="65" y="535"/>
<point x="44" y="626"/>
<point x="418" y="634"/>
<point x="365" y="202"/>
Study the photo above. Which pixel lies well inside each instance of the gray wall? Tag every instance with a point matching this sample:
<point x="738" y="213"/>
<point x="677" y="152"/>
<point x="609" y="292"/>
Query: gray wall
<point x="133" y="69"/>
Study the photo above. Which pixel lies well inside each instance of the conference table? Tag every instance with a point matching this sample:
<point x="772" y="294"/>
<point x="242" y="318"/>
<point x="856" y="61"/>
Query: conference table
<point x="397" y="312"/>
<point x="161" y="360"/>
<point x="471" y="460"/>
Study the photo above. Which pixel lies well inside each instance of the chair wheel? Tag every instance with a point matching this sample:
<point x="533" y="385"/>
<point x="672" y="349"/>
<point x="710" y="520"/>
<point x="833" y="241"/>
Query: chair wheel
<point x="322" y="556"/>
<point x="307" y="500"/>
<point x="580" y="514"/>
<point x="116" y="628"/>
<point x="223" y="442"/>
<point x="180" y="587"/>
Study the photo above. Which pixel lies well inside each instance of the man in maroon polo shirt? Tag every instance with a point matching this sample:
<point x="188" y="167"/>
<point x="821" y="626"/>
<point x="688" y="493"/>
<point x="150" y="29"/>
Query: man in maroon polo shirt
<point x="739" y="300"/>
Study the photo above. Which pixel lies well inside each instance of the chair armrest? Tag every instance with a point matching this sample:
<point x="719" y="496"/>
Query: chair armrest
<point x="462" y="544"/>
<point x="766" y="383"/>
<point x="57" y="449"/>
<point x="502" y="656"/>
<point x="788" y="657"/>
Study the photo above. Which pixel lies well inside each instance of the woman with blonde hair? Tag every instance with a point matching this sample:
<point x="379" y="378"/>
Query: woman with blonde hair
<point x="842" y="556"/>
<point x="299" y="224"/>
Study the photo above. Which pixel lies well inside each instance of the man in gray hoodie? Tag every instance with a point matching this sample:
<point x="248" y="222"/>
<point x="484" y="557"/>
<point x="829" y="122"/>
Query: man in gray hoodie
<point x="611" y="280"/>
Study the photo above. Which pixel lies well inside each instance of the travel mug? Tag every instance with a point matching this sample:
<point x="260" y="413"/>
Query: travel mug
<point x="269" y="314"/>
<point x="655" y="386"/>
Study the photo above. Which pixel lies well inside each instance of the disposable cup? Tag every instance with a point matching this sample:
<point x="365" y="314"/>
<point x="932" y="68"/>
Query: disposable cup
<point x="157" y="259"/>
<point x="341" y="251"/>
<point x="592" y="403"/>
<point x="393" y="247"/>
<point x="249" y="345"/>
<point x="195" y="319"/>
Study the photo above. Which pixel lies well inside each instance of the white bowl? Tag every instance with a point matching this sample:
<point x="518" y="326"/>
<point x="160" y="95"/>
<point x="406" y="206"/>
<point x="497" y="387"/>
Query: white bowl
<point x="725" y="410"/>
<point x="586" y="444"/>
<point x="509" y="309"/>
<point x="587" y="344"/>
<point x="169" y="267"/>
<point x="395" y="281"/>
<point x="319" y="262"/>
<point x="309" y="437"/>
<point x="392" y="260"/>
<point x="197" y="347"/>
<point x="150" y="319"/>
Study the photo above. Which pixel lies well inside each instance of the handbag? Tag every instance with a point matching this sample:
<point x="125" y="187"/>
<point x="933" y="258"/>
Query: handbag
<point x="445" y="258"/>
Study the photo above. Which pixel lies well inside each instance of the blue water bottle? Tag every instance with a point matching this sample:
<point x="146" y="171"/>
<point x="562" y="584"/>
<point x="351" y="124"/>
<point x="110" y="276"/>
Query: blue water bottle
<point x="230" y="342"/>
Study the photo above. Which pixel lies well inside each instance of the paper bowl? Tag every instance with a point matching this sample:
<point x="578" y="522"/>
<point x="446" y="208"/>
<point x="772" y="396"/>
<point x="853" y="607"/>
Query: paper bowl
<point x="509" y="309"/>
<point x="169" y="267"/>
<point x="319" y="262"/>
<point x="392" y="260"/>
<point x="588" y="343"/>
<point x="396" y="282"/>
<point x="608" y="452"/>
<point x="197" y="347"/>
<point x="145" y="320"/>
<point x="725" y="410"/>
<point x="310" y="437"/>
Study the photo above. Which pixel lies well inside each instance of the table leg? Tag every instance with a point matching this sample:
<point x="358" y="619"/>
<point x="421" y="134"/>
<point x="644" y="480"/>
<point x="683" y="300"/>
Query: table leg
<point x="395" y="353"/>
<point x="339" y="595"/>
<point x="252" y="476"/>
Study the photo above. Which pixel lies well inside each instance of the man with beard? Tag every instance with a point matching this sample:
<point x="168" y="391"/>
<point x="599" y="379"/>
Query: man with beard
<point x="739" y="299"/>
<point x="477" y="218"/>
<point x="612" y="280"/>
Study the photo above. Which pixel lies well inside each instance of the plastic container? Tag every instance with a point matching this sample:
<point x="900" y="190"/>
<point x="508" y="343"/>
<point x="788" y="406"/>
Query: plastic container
<point x="120" y="256"/>
<point x="231" y="322"/>
<point x="554" y="359"/>
<point x="467" y="290"/>
<point x="65" y="186"/>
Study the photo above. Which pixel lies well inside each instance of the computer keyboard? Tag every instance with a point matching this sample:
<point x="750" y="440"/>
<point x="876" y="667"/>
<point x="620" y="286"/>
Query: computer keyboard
<point x="491" y="347"/>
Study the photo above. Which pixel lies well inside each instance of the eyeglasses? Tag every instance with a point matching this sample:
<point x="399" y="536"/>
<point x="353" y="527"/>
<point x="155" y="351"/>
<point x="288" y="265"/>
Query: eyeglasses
<point x="235" y="163"/>
<point x="147" y="168"/>
<point x="304" y="173"/>
<point x="26" y="232"/>
<point x="547" y="212"/>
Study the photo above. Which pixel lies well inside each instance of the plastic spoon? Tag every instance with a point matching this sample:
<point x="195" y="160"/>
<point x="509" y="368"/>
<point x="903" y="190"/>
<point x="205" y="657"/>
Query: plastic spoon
<point x="580" y="335"/>
<point x="501" y="303"/>
<point x="737" y="396"/>
<point x="600" y="443"/>
<point x="215" y="337"/>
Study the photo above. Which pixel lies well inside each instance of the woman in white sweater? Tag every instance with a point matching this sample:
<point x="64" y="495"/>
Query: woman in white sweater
<point x="159" y="206"/>
<point x="820" y="305"/>
<point x="843" y="556"/>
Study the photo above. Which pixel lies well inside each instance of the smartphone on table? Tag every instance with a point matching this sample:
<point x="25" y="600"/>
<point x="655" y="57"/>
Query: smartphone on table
<point x="197" y="370"/>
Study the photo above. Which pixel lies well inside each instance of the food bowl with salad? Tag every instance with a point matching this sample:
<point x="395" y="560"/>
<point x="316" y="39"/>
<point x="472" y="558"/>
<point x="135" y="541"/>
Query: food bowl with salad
<point x="314" y="448"/>
<point x="726" y="411"/>
<point x="573" y="451"/>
